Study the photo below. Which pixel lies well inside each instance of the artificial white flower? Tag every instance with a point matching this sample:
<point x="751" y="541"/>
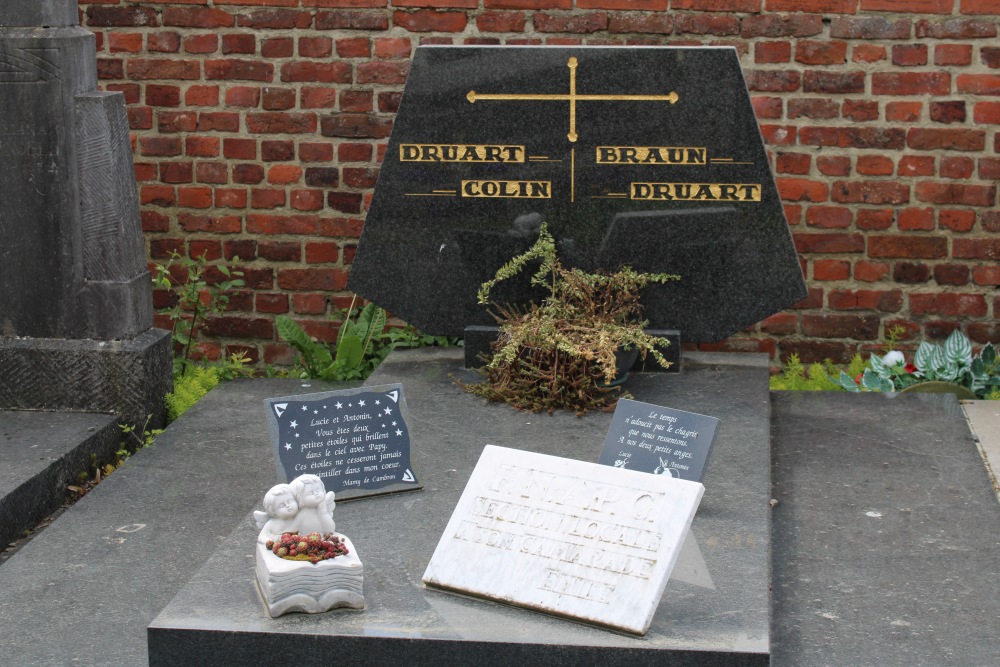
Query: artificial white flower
<point x="894" y="358"/>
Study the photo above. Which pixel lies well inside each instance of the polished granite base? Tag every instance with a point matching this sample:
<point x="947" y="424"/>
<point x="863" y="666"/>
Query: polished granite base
<point x="714" y="610"/>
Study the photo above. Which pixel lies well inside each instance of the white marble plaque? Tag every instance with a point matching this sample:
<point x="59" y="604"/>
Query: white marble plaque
<point x="565" y="537"/>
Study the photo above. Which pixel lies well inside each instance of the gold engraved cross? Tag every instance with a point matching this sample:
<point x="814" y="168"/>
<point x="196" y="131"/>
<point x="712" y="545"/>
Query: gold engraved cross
<point x="573" y="98"/>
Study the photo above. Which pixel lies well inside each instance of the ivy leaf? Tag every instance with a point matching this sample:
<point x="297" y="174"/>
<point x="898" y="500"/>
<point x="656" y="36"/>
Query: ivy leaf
<point x="871" y="381"/>
<point x="989" y="355"/>
<point x="878" y="366"/>
<point x="847" y="382"/>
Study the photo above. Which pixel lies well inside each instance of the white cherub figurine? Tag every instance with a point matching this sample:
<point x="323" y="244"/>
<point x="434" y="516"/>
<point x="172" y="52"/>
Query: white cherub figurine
<point x="315" y="506"/>
<point x="304" y="573"/>
<point x="304" y="506"/>
<point x="280" y="508"/>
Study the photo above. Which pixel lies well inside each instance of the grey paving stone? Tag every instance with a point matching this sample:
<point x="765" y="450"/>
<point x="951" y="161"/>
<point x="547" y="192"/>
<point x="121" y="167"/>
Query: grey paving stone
<point x="886" y="533"/>
<point x="42" y="452"/>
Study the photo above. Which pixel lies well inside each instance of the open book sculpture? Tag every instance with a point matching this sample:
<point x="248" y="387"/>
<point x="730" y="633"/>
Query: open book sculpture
<point x="303" y="564"/>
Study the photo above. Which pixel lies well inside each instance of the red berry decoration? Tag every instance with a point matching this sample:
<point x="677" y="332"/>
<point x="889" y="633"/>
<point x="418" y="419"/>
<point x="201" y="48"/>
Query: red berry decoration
<point x="313" y="548"/>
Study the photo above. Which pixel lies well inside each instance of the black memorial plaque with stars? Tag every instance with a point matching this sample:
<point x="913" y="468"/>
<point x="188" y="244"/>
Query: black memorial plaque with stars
<point x="356" y="440"/>
<point x="659" y="440"/>
<point x="646" y="156"/>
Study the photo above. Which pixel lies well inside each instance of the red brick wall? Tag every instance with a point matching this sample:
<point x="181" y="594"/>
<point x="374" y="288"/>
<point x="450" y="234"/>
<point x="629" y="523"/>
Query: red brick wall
<point x="259" y="126"/>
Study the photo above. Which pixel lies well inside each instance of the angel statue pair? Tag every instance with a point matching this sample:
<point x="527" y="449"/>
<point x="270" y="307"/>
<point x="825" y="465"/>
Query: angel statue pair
<point x="303" y="506"/>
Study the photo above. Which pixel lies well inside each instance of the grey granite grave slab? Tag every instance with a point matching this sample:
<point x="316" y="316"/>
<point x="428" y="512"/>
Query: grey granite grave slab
<point x="84" y="589"/>
<point x="42" y="452"/>
<point x="886" y="533"/>
<point x="714" y="610"/>
<point x="647" y="156"/>
<point x="96" y="562"/>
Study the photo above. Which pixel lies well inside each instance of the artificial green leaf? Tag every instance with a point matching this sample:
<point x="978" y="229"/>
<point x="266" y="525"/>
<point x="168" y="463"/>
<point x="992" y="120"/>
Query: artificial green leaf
<point x="922" y="357"/>
<point x="989" y="355"/>
<point x="949" y="373"/>
<point x="958" y="348"/>
<point x="871" y="381"/>
<point x="939" y="359"/>
<point x="876" y="365"/>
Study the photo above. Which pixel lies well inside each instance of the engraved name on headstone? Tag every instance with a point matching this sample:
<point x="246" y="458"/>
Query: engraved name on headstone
<point x="659" y="440"/>
<point x="565" y="537"/>
<point x="357" y="441"/>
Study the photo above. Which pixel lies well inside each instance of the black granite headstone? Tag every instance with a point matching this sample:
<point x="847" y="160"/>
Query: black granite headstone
<point x="355" y="440"/>
<point x="659" y="440"/>
<point x="648" y="156"/>
<point x="74" y="286"/>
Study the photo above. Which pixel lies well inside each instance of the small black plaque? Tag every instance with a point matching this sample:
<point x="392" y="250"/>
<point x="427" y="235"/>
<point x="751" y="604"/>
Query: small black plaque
<point x="357" y="440"/>
<point x="659" y="440"/>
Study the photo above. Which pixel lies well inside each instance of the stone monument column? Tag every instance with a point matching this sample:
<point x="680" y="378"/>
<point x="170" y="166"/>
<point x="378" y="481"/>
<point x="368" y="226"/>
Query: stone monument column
<point x="75" y="295"/>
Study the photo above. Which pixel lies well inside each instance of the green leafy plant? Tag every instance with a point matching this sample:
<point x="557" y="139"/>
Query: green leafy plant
<point x="952" y="364"/>
<point x="799" y="377"/>
<point x="560" y="353"/>
<point x="133" y="439"/>
<point x="410" y="337"/>
<point x="364" y="340"/>
<point x="195" y="298"/>
<point x="351" y="356"/>
<point x="189" y="388"/>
